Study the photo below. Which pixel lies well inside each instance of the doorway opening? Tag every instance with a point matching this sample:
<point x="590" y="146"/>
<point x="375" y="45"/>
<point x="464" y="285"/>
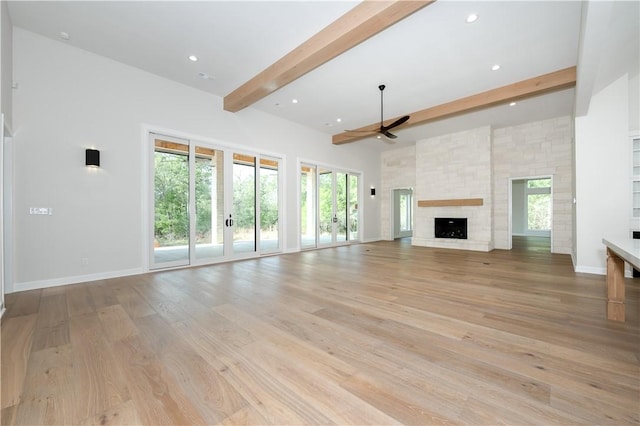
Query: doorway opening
<point x="402" y="213"/>
<point x="531" y="219"/>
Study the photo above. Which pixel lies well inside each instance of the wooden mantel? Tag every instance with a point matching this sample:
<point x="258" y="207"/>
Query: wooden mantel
<point x="452" y="202"/>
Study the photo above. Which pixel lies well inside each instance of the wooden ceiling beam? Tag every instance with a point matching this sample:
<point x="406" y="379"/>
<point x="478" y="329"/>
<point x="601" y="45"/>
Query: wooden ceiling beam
<point x="554" y="81"/>
<point x="360" y="23"/>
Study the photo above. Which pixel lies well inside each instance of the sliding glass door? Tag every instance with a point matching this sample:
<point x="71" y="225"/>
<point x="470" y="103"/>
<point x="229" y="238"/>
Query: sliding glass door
<point x="269" y="203"/>
<point x="171" y="202"/>
<point x="207" y="202"/>
<point x="329" y="210"/>
<point x="308" y="210"/>
<point x="243" y="216"/>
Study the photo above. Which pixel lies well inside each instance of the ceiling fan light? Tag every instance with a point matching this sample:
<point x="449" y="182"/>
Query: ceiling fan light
<point x="471" y="18"/>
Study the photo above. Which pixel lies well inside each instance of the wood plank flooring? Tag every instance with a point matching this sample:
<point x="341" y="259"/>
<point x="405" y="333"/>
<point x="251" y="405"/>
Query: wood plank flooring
<point x="380" y="333"/>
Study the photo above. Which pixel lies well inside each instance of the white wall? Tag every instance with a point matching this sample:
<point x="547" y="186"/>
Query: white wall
<point x="518" y="208"/>
<point x="68" y="100"/>
<point x="603" y="171"/>
<point x="6" y="63"/>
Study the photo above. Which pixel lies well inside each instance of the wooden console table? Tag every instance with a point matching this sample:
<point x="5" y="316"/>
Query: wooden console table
<point x="618" y="252"/>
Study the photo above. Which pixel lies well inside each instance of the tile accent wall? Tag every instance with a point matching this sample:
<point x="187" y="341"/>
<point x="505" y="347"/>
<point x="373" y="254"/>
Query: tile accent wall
<point x="451" y="167"/>
<point x="479" y="163"/>
<point x="543" y="148"/>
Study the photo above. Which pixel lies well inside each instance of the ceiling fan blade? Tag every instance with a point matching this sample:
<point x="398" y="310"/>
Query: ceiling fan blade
<point x="396" y="123"/>
<point x="361" y="131"/>
<point x="389" y="135"/>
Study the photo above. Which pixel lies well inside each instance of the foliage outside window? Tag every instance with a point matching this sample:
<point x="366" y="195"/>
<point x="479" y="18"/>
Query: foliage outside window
<point x="539" y="204"/>
<point x="636" y="178"/>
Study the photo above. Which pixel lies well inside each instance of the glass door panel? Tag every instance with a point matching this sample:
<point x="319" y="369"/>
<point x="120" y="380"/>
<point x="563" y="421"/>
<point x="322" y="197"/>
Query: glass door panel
<point x="244" y="203"/>
<point x="209" y="203"/>
<point x="170" y="203"/>
<point x="340" y="215"/>
<point x="353" y="208"/>
<point x="269" y="206"/>
<point x="325" y="202"/>
<point x="307" y="206"/>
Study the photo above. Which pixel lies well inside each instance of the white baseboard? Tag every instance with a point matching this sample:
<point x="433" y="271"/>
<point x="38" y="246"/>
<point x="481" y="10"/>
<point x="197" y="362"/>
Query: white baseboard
<point x="600" y="271"/>
<point x="590" y="270"/>
<point x="34" y="285"/>
<point x="373" y="240"/>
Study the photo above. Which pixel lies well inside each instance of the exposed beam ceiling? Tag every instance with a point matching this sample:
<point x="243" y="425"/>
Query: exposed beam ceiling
<point x="360" y="23"/>
<point x="557" y="80"/>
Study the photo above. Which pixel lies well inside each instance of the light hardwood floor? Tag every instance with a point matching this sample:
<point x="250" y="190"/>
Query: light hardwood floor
<point x="379" y="333"/>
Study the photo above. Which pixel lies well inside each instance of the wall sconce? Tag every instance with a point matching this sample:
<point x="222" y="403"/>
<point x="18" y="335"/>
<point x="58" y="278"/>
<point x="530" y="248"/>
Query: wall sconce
<point x="92" y="158"/>
<point x="373" y="192"/>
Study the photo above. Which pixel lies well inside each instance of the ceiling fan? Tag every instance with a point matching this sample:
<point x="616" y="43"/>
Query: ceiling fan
<point x="384" y="130"/>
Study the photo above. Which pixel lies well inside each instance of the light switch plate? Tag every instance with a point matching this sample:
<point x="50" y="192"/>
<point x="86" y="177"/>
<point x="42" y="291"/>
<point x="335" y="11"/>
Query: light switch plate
<point x="41" y="210"/>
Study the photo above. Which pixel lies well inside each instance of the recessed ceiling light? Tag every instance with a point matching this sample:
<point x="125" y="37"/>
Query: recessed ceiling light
<point x="471" y="18"/>
<point x="64" y="36"/>
<point x="339" y="120"/>
<point x="496" y="67"/>
<point x="294" y="101"/>
<point x="193" y="58"/>
<point x="512" y="104"/>
<point x="378" y="137"/>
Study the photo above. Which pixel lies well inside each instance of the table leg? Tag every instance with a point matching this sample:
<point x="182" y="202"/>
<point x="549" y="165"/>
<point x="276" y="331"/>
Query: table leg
<point x="615" y="287"/>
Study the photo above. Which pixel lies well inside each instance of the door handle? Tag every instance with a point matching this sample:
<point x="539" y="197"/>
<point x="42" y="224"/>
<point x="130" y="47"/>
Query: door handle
<point x="228" y="222"/>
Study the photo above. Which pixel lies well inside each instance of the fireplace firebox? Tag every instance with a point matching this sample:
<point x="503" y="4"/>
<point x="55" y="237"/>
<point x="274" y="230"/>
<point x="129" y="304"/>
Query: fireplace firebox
<point x="449" y="227"/>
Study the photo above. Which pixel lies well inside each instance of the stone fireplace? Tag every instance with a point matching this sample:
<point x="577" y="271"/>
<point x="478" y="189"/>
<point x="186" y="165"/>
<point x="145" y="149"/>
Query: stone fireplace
<point x="454" y="181"/>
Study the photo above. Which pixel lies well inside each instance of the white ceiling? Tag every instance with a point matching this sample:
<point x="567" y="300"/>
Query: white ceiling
<point x="429" y="58"/>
